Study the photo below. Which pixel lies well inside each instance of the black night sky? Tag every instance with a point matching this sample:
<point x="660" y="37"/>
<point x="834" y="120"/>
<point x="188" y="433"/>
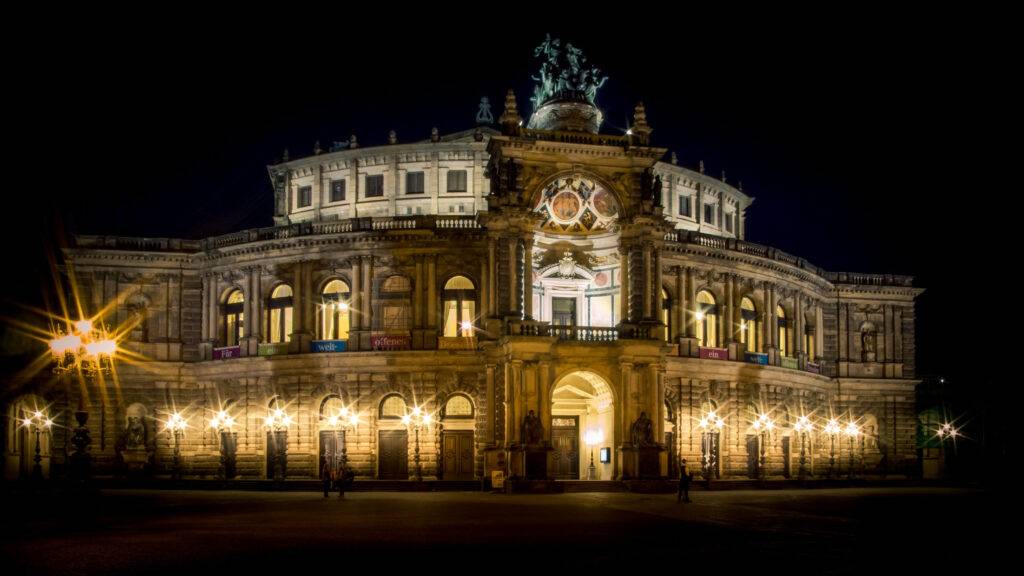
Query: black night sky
<point x="864" y="138"/>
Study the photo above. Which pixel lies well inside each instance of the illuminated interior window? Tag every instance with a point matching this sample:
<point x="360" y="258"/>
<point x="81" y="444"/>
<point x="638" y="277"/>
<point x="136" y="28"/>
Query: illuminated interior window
<point x="334" y="311"/>
<point x="392" y="407"/>
<point x="707" y="319"/>
<point x="750" y="328"/>
<point x="784" y="332"/>
<point x="279" y="315"/>
<point x="458" y="407"/>
<point x="666" y="313"/>
<point x="234" y="318"/>
<point x="812" y="353"/>
<point x="459" y="307"/>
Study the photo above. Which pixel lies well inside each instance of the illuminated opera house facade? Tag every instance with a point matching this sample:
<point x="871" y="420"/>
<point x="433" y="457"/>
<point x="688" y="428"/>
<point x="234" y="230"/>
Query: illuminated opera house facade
<point x="529" y="296"/>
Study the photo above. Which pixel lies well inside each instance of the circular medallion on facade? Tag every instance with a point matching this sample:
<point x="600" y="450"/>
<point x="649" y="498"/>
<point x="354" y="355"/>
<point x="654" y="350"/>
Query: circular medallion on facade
<point x="601" y="279"/>
<point x="565" y="206"/>
<point x="604" y="204"/>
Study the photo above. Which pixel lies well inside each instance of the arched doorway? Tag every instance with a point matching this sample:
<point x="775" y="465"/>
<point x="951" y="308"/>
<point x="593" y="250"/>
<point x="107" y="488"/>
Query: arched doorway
<point x="582" y="428"/>
<point x="458" y="453"/>
<point x="19" y="453"/>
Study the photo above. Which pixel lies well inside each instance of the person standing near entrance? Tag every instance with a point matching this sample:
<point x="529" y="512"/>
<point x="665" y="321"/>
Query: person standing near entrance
<point x="684" y="483"/>
<point x="326" y="475"/>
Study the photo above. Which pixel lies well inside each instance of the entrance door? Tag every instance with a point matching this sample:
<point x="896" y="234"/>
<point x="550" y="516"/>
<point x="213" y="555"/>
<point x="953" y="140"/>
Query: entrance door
<point x="752" y="456"/>
<point x="331" y="443"/>
<point x="563" y="311"/>
<point x="458" y="454"/>
<point x="673" y="459"/>
<point x="565" y="438"/>
<point x="393" y="455"/>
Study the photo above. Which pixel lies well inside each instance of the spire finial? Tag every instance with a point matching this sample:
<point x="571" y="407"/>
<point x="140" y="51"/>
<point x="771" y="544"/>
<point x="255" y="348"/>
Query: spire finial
<point x="641" y="129"/>
<point x="510" y="119"/>
<point x="284" y="157"/>
<point x="352" y="142"/>
<point x="316" y="148"/>
<point x="435" y="136"/>
<point x="483" y="113"/>
<point x="392" y="137"/>
<point x="675" y="159"/>
<point x="701" y="167"/>
<point x="723" y="177"/>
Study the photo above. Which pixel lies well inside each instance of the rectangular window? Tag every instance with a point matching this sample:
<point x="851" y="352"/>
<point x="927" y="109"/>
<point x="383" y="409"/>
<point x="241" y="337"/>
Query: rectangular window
<point x="456" y="180"/>
<point x="414" y="182"/>
<point x="684" y="205"/>
<point x="337" y="190"/>
<point x="462" y="208"/>
<point x="728" y="222"/>
<point x="709" y="214"/>
<point x="375" y="186"/>
<point x="305" y="196"/>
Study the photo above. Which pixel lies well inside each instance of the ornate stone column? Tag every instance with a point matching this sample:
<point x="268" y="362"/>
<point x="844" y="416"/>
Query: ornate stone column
<point x="528" y="277"/>
<point x="680" y="307"/>
<point x="431" y="328"/>
<point x="648" y="282"/>
<point x="623" y="284"/>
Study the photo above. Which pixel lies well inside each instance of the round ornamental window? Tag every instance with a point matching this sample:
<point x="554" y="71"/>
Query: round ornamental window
<point x="601" y="279"/>
<point x="565" y="206"/>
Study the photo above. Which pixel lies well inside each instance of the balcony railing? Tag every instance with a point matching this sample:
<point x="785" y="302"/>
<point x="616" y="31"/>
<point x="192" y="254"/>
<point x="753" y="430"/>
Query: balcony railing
<point x="580" y="333"/>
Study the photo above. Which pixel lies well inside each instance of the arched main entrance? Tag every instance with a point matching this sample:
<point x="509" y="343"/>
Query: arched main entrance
<point x="582" y="427"/>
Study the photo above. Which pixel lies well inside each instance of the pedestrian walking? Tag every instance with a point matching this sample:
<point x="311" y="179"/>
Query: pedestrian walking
<point x="683" y="495"/>
<point x="326" y="476"/>
<point x="344" y="482"/>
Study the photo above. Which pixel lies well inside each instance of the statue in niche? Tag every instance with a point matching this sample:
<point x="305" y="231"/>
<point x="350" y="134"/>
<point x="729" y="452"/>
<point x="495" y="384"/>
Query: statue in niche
<point x="134" y="435"/>
<point x="533" y="430"/>
<point x="867" y="338"/>
<point x="642" y="432"/>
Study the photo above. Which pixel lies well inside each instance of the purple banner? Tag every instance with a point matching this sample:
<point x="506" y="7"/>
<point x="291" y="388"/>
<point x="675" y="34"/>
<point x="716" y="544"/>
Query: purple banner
<point x="714" y="353"/>
<point x="389" y="342"/>
<point x="227" y="352"/>
<point x="814" y="367"/>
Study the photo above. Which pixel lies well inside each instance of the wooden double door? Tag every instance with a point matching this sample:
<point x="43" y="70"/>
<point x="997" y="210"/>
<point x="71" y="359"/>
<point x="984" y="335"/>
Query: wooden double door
<point x="565" y="440"/>
<point x="393" y="455"/>
<point x="457" y="455"/>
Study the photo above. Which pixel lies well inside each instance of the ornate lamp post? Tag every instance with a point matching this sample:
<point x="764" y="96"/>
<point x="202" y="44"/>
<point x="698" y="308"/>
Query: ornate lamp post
<point x="851" y="431"/>
<point x="803" y="426"/>
<point x="946" y="432"/>
<point x="417" y="419"/>
<point x="710" y="426"/>
<point x="592" y="438"/>
<point x="278" y="422"/>
<point x="176" y="425"/>
<point x="764" y="426"/>
<point x="832" y="429"/>
<point x="224" y="424"/>
<point x="345" y="420"/>
<point x="85" y="349"/>
<point x="38" y="423"/>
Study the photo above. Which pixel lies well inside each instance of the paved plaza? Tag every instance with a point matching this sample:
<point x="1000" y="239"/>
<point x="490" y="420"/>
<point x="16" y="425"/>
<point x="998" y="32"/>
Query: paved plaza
<point x="797" y="531"/>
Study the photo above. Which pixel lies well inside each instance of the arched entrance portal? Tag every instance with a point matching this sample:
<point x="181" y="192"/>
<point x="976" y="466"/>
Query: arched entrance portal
<point x="582" y="428"/>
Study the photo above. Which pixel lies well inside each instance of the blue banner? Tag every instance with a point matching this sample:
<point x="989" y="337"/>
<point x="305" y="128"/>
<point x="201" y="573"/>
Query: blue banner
<point x="756" y="358"/>
<point x="328" y="345"/>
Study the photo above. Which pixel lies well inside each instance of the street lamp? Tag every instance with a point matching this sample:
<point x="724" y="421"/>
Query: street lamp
<point x="346" y="420"/>
<point x="84" y="348"/>
<point x="38" y="423"/>
<point x="277" y="422"/>
<point x="224" y="424"/>
<point x="592" y="438"/>
<point x="176" y="425"/>
<point x="803" y="426"/>
<point x="851" y="431"/>
<point x="417" y="419"/>
<point x="946" y="432"/>
<point x="764" y="426"/>
<point x="832" y="429"/>
<point x="710" y="426"/>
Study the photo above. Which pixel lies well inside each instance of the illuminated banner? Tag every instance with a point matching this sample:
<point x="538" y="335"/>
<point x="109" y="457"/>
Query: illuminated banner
<point x="268" y="349"/>
<point x="790" y="363"/>
<point x="227" y="352"/>
<point x="755" y="358"/>
<point x="814" y="367"/>
<point x="714" y="353"/>
<point x="456" y="343"/>
<point x="328" y="345"/>
<point x="389" y="342"/>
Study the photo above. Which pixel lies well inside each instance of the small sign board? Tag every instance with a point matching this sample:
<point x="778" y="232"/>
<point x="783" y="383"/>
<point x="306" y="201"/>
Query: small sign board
<point x="497" y="479"/>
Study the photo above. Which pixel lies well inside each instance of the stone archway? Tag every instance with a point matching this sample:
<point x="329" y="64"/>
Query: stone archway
<point x="583" y="427"/>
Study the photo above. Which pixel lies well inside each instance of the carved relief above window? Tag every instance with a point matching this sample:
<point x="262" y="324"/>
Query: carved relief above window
<point x="577" y="205"/>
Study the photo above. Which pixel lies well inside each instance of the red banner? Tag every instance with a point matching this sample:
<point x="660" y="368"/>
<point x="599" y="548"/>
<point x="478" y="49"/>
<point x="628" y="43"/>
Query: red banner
<point x="714" y="353"/>
<point x="389" y="342"/>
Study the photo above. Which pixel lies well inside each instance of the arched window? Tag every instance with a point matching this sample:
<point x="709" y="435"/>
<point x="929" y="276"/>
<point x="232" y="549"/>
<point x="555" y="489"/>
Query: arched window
<point x="279" y="314"/>
<point x="750" y="328"/>
<point x="392" y="407"/>
<point x="459" y="306"/>
<point x="809" y="333"/>
<point x="784" y="332"/>
<point x="458" y="406"/>
<point x="707" y="319"/>
<point x="234" y="318"/>
<point x="666" y="313"/>
<point x="334" y="311"/>
<point x="395" y="302"/>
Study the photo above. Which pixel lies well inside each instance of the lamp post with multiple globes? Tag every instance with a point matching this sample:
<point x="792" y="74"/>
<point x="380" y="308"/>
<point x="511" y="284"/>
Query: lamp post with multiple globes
<point x="37" y="422"/>
<point x="224" y="424"/>
<point x="763" y="426"/>
<point x="851" y="431"/>
<point x="710" y="427"/>
<point x="176" y="425"/>
<point x="277" y="423"/>
<point x="592" y="438"/>
<point x="832" y="429"/>
<point x="417" y="419"/>
<point x="803" y="427"/>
